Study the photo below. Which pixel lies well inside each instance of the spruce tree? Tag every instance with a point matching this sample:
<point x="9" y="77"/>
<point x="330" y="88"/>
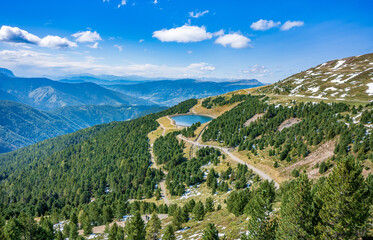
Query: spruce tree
<point x="209" y="205"/>
<point x="199" y="211"/>
<point x="261" y="226"/>
<point x="135" y="228"/>
<point x="153" y="227"/>
<point x="296" y="211"/>
<point x="86" y="224"/>
<point x="177" y="219"/>
<point x="210" y="233"/>
<point x="169" y="233"/>
<point x="73" y="232"/>
<point x="345" y="202"/>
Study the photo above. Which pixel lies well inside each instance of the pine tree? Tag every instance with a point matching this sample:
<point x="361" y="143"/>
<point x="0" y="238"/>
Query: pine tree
<point x="296" y="211"/>
<point x="209" y="205"/>
<point x="261" y="226"/>
<point x="86" y="224"/>
<point x="73" y="232"/>
<point x="185" y="213"/>
<point x="135" y="228"/>
<point x="153" y="227"/>
<point x="177" y="220"/>
<point x="115" y="233"/>
<point x="210" y="233"/>
<point x="107" y="214"/>
<point x="345" y="202"/>
<point x="13" y="229"/>
<point x="199" y="211"/>
<point x="169" y="233"/>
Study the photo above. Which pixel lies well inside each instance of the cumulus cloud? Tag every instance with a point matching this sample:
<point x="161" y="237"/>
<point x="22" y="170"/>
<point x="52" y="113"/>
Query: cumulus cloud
<point x="34" y="63"/>
<point x="56" y="42"/>
<point x="198" y="14"/>
<point x="17" y="35"/>
<point x="263" y="25"/>
<point x="234" y="40"/>
<point x="290" y="24"/>
<point x="87" y="36"/>
<point x="155" y="1"/>
<point x="183" y="34"/>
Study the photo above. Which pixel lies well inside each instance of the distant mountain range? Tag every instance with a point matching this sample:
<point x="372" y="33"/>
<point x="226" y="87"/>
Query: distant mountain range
<point x="22" y="125"/>
<point x="46" y="94"/>
<point x="77" y="90"/>
<point x="171" y="92"/>
<point x="342" y="79"/>
<point x="34" y="109"/>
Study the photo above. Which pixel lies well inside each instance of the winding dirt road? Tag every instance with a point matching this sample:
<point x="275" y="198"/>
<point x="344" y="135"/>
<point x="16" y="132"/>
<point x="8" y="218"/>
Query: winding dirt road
<point x="262" y="174"/>
<point x="162" y="184"/>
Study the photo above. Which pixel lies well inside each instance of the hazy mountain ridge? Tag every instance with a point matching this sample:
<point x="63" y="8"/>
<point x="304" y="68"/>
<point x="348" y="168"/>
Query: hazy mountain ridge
<point x="46" y="94"/>
<point x="22" y="125"/>
<point x="343" y="79"/>
<point x="170" y="92"/>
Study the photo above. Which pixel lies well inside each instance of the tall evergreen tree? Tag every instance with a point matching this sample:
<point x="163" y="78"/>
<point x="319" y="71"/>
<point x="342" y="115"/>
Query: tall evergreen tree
<point x="177" y="219"/>
<point x="135" y="228"/>
<point x="345" y="202"/>
<point x="261" y="225"/>
<point x="169" y="233"/>
<point x="199" y="211"/>
<point x="86" y="224"/>
<point x="209" y="205"/>
<point x="153" y="227"/>
<point x="210" y="232"/>
<point x="296" y="211"/>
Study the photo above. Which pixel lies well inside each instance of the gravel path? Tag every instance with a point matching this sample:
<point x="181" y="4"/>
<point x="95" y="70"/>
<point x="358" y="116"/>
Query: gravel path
<point x="262" y="174"/>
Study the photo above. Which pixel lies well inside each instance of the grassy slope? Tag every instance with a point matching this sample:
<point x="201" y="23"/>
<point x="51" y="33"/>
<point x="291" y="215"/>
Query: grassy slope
<point x="343" y="79"/>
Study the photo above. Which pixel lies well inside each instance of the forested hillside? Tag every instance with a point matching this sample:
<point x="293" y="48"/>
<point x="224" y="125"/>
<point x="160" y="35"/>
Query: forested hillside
<point x="317" y="181"/>
<point x="111" y="158"/>
<point x="22" y="125"/>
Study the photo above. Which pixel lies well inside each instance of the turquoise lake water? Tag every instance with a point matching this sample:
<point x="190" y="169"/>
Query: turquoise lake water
<point x="188" y="120"/>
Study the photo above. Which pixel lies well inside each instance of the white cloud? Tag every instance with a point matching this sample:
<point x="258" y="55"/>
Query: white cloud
<point x="124" y="2"/>
<point x="290" y="24"/>
<point x="198" y="14"/>
<point x="263" y="25"/>
<point x="183" y="34"/>
<point x="234" y="40"/>
<point x="56" y="42"/>
<point x="95" y="45"/>
<point x="218" y="33"/>
<point x="141" y="40"/>
<point x="33" y="63"/>
<point x="257" y="69"/>
<point x="87" y="36"/>
<point x="155" y="1"/>
<point x="17" y="35"/>
<point x="202" y="66"/>
<point x="190" y="52"/>
<point x="120" y="48"/>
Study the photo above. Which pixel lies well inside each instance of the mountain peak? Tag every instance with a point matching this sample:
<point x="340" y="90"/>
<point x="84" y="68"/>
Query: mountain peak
<point x="348" y="78"/>
<point x="6" y="72"/>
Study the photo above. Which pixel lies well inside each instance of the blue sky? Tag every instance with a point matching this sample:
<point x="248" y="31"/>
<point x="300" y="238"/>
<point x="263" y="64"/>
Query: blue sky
<point x="266" y="40"/>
